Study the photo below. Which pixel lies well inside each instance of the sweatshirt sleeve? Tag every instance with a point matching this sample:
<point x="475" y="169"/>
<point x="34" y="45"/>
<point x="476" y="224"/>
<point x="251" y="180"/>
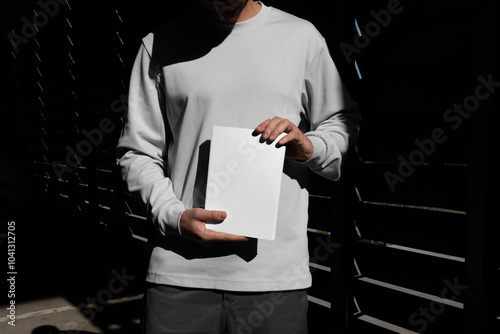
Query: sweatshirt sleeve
<point x="332" y="115"/>
<point x="142" y="147"/>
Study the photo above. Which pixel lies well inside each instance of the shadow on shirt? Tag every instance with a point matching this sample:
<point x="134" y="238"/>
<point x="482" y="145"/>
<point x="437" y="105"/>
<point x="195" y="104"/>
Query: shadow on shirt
<point x="184" y="39"/>
<point x="188" y="37"/>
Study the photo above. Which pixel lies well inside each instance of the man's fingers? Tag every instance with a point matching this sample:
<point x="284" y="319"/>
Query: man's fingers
<point x="204" y="215"/>
<point x="299" y="147"/>
<point x="288" y="138"/>
<point x="284" y="126"/>
<point x="262" y="126"/>
<point x="224" y="237"/>
<point x="272" y="128"/>
<point x="193" y="227"/>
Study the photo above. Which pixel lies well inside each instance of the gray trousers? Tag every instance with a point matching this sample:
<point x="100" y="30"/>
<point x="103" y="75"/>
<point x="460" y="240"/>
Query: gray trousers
<point x="169" y="309"/>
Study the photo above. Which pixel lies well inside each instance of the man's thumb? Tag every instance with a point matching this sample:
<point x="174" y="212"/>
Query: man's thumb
<point x="216" y="215"/>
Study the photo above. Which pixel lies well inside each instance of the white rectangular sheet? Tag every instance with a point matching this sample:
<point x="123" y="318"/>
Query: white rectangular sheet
<point x="244" y="180"/>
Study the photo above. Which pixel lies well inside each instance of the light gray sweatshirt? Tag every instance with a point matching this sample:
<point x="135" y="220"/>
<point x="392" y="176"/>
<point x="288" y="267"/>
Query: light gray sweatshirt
<point x="193" y="74"/>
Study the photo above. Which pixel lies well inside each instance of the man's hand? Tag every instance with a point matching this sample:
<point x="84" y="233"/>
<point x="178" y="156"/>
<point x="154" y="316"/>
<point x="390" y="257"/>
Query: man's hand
<point x="192" y="227"/>
<point x="298" y="146"/>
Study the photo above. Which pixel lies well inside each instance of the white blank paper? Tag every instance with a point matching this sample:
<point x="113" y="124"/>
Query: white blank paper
<point x="244" y="179"/>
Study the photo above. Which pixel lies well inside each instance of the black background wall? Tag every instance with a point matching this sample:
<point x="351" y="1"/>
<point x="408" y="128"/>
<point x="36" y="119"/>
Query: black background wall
<point x="404" y="242"/>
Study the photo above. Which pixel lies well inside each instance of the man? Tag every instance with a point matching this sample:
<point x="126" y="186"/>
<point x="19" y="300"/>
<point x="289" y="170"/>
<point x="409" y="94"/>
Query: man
<point x="243" y="64"/>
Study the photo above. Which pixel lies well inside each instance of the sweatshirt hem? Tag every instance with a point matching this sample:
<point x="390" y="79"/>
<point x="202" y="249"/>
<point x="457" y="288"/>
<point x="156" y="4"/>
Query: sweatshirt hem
<point x="217" y="284"/>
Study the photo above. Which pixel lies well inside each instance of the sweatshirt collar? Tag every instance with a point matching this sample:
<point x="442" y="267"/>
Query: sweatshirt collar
<point x="244" y="26"/>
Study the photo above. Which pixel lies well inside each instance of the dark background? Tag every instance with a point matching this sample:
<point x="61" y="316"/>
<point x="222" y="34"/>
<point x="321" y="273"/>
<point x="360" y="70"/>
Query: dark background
<point x="74" y="227"/>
